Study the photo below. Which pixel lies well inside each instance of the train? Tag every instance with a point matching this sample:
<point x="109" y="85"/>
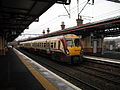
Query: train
<point x="63" y="48"/>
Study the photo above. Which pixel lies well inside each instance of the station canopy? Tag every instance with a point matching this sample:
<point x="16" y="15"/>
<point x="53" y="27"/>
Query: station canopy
<point x="17" y="15"/>
<point x="117" y="1"/>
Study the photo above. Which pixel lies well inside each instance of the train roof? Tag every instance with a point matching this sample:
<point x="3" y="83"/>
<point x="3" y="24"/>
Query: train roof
<point x="54" y="38"/>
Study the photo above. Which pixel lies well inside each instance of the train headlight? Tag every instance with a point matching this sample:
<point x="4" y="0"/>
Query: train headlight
<point x="67" y="52"/>
<point x="81" y="51"/>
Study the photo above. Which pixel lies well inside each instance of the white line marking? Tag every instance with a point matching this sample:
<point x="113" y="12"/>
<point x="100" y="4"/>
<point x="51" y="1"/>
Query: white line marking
<point x="103" y="59"/>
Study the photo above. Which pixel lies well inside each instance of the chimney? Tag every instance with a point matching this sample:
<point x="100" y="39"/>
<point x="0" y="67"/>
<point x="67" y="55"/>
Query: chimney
<point x="48" y="30"/>
<point x="79" y="21"/>
<point x="43" y="32"/>
<point x="62" y="26"/>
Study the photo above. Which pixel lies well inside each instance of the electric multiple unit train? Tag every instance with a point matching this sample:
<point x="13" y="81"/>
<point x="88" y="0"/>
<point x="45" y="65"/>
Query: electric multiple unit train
<point x="64" y="48"/>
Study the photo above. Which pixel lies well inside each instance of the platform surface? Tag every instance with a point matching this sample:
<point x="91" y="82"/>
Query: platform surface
<point x="15" y="76"/>
<point x="48" y="79"/>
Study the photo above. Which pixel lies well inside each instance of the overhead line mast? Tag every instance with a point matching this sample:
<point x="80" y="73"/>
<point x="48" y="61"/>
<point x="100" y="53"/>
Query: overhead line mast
<point x="83" y="7"/>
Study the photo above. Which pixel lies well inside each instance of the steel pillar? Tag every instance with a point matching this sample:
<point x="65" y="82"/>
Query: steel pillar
<point x="3" y="49"/>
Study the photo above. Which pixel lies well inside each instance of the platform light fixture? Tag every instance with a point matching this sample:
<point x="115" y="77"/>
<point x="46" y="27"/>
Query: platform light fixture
<point x="14" y="33"/>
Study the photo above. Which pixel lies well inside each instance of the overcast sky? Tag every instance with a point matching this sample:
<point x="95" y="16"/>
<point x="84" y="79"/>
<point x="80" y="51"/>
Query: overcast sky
<point x="52" y="18"/>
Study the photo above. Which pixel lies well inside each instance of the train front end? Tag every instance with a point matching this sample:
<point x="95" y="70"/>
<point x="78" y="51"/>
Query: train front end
<point x="74" y="48"/>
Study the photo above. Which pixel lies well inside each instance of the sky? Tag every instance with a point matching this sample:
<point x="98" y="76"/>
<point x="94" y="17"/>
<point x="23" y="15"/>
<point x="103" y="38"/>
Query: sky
<point x="52" y="18"/>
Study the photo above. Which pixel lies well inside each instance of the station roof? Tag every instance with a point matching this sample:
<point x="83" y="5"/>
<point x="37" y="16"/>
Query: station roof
<point x="17" y="15"/>
<point x="117" y="1"/>
<point x="107" y="27"/>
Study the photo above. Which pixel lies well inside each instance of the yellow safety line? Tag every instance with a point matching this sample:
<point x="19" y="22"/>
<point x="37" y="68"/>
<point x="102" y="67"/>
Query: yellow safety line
<point x="46" y="84"/>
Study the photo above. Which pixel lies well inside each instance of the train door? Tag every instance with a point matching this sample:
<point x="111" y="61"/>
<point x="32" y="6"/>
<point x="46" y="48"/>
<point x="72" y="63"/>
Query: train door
<point x="48" y="46"/>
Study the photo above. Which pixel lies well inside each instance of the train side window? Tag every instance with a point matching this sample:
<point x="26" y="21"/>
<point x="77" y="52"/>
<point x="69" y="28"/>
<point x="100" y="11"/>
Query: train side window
<point x="36" y="44"/>
<point x="54" y="44"/>
<point x="44" y="44"/>
<point x="58" y="44"/>
<point x="33" y="44"/>
<point x="51" y="45"/>
<point x="40" y="44"/>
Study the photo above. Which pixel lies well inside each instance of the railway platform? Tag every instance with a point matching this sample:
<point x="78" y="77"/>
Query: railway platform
<point x="109" y="56"/>
<point x="114" y="61"/>
<point x="15" y="76"/>
<point x="19" y="72"/>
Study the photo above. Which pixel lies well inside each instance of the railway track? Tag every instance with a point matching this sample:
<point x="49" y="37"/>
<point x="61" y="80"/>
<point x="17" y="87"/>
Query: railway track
<point x="83" y="76"/>
<point x="108" y="68"/>
<point x="101" y="74"/>
<point x="69" y="76"/>
<point x="116" y="65"/>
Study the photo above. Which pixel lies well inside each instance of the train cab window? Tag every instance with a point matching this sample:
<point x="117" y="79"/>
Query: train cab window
<point x="69" y="42"/>
<point x="77" y="42"/>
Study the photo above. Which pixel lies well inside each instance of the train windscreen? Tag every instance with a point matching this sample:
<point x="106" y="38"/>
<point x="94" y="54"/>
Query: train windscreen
<point x="73" y="42"/>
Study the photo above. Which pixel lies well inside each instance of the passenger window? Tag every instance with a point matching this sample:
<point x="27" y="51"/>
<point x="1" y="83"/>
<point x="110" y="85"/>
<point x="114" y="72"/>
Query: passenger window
<point x="37" y="44"/>
<point x="58" y="44"/>
<point x="51" y="45"/>
<point x="40" y="44"/>
<point x="33" y="44"/>
<point x="54" y="44"/>
<point x="44" y="44"/>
